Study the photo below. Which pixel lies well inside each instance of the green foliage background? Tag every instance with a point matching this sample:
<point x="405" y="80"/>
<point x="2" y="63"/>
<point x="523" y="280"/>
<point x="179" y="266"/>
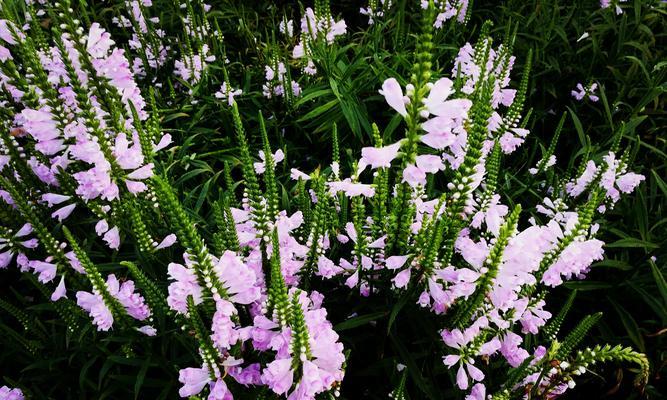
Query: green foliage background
<point x="624" y="53"/>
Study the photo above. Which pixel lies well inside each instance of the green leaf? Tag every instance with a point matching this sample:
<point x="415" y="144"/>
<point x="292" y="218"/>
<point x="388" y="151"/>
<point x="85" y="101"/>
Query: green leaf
<point x="579" y="128"/>
<point x="659" y="280"/>
<point x="359" y="320"/>
<point x="140" y="377"/>
<point x="633" y="242"/>
<point x="630" y="325"/>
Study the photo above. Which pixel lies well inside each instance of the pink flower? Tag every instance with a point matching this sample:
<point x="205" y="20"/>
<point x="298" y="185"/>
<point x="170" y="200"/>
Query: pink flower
<point x="96" y="182"/>
<point x="249" y="375"/>
<point x="45" y="270"/>
<point x="296" y="175"/>
<point x="52" y="198"/>
<point x="439" y="92"/>
<point x="11" y="394"/>
<point x="185" y="285"/>
<point x="166" y="242"/>
<point x="351" y="189"/>
<point x="261" y="166"/>
<point x="60" y="291"/>
<point x="112" y="237"/>
<point x="128" y="157"/>
<point x="147" y="330"/>
<point x="165" y="141"/>
<point x="43" y="128"/>
<point x="414" y="176"/>
<point x="237" y="278"/>
<point x="402" y="278"/>
<point x="628" y="182"/>
<point x="579" y="93"/>
<point x="326" y="268"/>
<point x="395" y="262"/>
<point x="193" y="380"/>
<point x="393" y="94"/>
<point x="278" y="375"/>
<point x="228" y="93"/>
<point x="63" y="212"/>
<point x="573" y="261"/>
<point x="94" y="304"/>
<point x="511" y="351"/>
<point x="455" y="109"/>
<point x="142" y="173"/>
<point x="224" y="334"/>
<point x="438" y="141"/>
<point x="577" y="187"/>
<point x="219" y="391"/>
<point x="133" y="302"/>
<point x="8" y="30"/>
<point x="99" y="41"/>
<point x="380" y="157"/>
<point x="430" y="163"/>
<point x="101" y="227"/>
<point x="478" y="392"/>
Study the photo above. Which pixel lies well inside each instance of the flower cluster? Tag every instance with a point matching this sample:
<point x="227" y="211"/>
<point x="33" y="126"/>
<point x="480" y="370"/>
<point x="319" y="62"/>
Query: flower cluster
<point x="586" y="92"/>
<point x="81" y="139"/>
<point x="317" y="27"/>
<point x="615" y="3"/>
<point x="278" y="83"/>
<point x="448" y="9"/>
<point x="77" y="139"/>
<point x="11" y="394"/>
<point x="376" y="10"/>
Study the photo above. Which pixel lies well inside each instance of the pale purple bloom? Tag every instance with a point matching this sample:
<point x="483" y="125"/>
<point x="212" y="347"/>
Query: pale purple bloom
<point x="414" y="176"/>
<point x="45" y="269"/>
<point x="402" y="278"/>
<point x="395" y="262"/>
<point x="168" y="241"/>
<point x="573" y="261"/>
<point x="185" y="285"/>
<point x="133" y="303"/>
<point x="60" y="291"/>
<point x="220" y="391"/>
<point x="193" y="380"/>
<point x="393" y="94"/>
<point x="278" y="375"/>
<point x="249" y="375"/>
<point x="228" y="93"/>
<point x="7" y="393"/>
<point x="478" y="392"/>
<point x="296" y="175"/>
<point x="8" y="31"/>
<point x="511" y="351"/>
<point x="237" y="278"/>
<point x="629" y="181"/>
<point x="165" y="141"/>
<point x="147" y="330"/>
<point x="63" y="212"/>
<point x="99" y="41"/>
<point x="94" y="304"/>
<point x="351" y="189"/>
<point x="224" y="334"/>
<point x="430" y="163"/>
<point x="326" y="268"/>
<point x="380" y="157"/>
<point x="112" y="237"/>
<point x="261" y="166"/>
<point x="582" y="92"/>
<point x="53" y="198"/>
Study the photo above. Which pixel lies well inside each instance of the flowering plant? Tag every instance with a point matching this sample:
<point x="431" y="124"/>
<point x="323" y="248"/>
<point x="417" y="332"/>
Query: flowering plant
<point x="418" y="222"/>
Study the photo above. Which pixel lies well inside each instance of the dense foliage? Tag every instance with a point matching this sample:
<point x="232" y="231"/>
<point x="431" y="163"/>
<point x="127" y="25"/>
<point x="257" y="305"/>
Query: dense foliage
<point x="262" y="200"/>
